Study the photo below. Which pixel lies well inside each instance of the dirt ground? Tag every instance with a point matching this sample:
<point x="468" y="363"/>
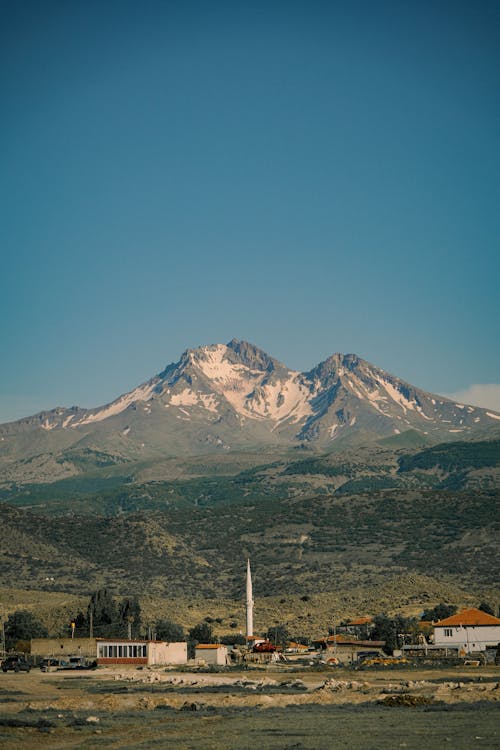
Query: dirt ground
<point x="281" y="708"/>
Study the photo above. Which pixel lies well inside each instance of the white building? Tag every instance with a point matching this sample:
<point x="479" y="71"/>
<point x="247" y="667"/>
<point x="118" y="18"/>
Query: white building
<point x="116" y="651"/>
<point x="211" y="653"/>
<point x="468" y="631"/>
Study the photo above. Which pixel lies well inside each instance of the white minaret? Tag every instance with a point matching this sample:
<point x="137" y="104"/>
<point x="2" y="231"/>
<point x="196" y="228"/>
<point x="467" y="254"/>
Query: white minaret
<point x="249" y="602"/>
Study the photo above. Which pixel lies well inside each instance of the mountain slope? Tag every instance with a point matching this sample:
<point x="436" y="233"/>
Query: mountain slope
<point x="323" y="543"/>
<point x="235" y="397"/>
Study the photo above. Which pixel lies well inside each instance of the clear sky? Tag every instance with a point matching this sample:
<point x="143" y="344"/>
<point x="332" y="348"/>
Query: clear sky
<point x="310" y="176"/>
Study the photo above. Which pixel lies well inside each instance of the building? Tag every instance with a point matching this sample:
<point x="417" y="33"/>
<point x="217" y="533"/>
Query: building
<point x="212" y="654"/>
<point x="347" y="650"/>
<point x="152" y="653"/>
<point x="111" y="650"/>
<point x="361" y="627"/>
<point x="63" y="648"/>
<point x="296" y="648"/>
<point x="468" y="631"/>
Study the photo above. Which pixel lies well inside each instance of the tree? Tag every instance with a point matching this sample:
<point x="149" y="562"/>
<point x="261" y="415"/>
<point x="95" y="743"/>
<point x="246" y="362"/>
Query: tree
<point x="485" y="607"/>
<point x="81" y="625"/>
<point x="235" y="639"/>
<point x="392" y="630"/>
<point x="201" y="633"/>
<point x="166" y="630"/>
<point x="279" y="635"/>
<point x="103" y="612"/>
<point x="20" y="627"/>
<point x="439" y="612"/>
<point x="129" y="614"/>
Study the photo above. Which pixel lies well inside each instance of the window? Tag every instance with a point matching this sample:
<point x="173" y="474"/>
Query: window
<point x="448" y="632"/>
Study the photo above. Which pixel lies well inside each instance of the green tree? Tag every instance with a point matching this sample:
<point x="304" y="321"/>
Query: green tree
<point x="81" y="625"/>
<point x="279" y="635"/>
<point x="166" y="630"/>
<point x="20" y="627"/>
<point x="236" y="639"/>
<point x="129" y="613"/>
<point x="439" y="612"/>
<point x="395" y="631"/>
<point x="103" y="611"/>
<point x="485" y="607"/>
<point x="201" y="633"/>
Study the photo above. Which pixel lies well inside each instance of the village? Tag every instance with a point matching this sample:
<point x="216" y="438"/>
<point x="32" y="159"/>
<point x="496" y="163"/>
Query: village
<point x="470" y="635"/>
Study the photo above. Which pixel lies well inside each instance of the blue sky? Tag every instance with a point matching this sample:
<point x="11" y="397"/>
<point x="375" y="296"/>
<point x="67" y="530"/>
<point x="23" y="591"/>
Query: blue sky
<point x="310" y="176"/>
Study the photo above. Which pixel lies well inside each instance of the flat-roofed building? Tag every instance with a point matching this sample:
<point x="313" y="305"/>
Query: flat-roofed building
<point x="112" y="650"/>
<point x="211" y="653"/>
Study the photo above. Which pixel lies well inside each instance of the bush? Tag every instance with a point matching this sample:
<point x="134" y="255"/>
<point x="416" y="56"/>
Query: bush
<point x="166" y="630"/>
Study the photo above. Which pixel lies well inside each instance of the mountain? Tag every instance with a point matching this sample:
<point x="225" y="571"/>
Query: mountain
<point x="235" y="397"/>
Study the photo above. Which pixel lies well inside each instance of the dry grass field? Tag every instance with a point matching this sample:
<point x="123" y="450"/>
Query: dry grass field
<point x="280" y="708"/>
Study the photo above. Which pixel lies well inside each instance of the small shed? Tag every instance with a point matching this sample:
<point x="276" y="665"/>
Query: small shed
<point x="211" y="653"/>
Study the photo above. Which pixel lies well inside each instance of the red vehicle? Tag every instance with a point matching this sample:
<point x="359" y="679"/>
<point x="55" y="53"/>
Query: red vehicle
<point x="264" y="647"/>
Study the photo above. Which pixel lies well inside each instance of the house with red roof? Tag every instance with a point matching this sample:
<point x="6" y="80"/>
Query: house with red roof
<point x="468" y="631"/>
<point x="360" y="627"/>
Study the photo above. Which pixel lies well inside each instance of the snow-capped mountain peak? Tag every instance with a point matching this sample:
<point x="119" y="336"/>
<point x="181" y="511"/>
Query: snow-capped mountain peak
<point x="236" y="394"/>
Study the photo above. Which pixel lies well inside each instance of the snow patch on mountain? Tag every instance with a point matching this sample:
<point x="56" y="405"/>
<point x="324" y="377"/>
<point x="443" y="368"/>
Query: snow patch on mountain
<point x="188" y="397"/>
<point x="397" y="396"/>
<point x="142" y="393"/>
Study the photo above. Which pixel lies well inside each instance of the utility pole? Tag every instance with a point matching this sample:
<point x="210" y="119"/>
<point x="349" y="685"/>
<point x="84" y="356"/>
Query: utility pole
<point x="91" y="623"/>
<point x="3" y="636"/>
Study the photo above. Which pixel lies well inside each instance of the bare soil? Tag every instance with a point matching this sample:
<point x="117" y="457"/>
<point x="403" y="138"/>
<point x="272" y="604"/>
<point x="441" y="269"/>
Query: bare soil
<point x="281" y="708"/>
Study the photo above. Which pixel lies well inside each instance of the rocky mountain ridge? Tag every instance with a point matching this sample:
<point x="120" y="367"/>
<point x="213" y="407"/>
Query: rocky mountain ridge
<point x="235" y="397"/>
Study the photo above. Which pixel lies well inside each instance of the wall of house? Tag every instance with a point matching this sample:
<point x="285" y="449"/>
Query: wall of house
<point x="469" y="638"/>
<point x="167" y="653"/>
<point x="122" y="652"/>
<point x="348" y="652"/>
<point x="217" y="656"/>
<point x="64" y="647"/>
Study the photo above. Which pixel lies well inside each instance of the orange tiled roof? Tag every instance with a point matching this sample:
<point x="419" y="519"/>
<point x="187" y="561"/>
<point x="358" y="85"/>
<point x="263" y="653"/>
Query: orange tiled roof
<point x="361" y="621"/>
<point x="468" y="617"/>
<point x="208" y="645"/>
<point x="338" y="638"/>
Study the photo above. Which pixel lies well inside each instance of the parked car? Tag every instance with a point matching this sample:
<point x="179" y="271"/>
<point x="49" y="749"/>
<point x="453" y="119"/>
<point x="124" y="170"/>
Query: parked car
<point x="16" y="664"/>
<point x="78" y="662"/>
<point x="50" y="664"/>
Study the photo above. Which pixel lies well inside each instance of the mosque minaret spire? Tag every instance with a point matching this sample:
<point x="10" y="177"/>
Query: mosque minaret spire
<point x="249" y="602"/>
